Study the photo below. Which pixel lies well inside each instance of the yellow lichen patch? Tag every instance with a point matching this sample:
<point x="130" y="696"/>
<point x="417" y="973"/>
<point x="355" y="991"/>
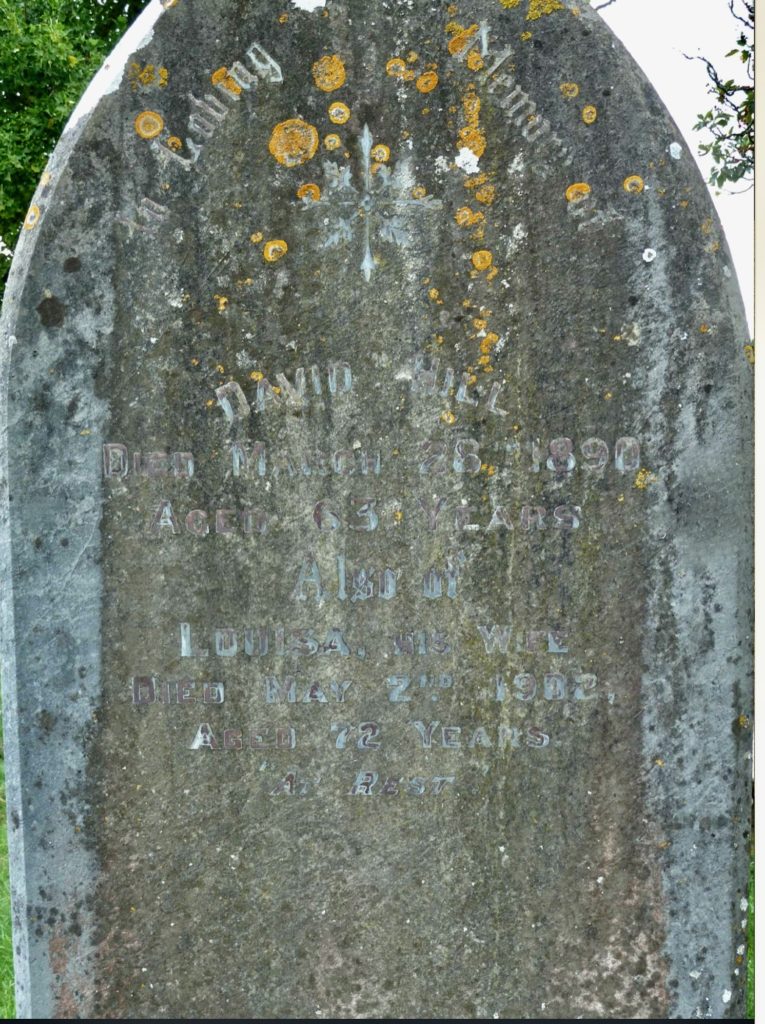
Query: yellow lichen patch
<point x="539" y="8"/>
<point x="222" y="301"/>
<point x="461" y="37"/>
<point x="222" y="77"/>
<point x="398" y="515"/>
<point x="244" y="282"/>
<point x="256" y="237"/>
<point x="474" y="60"/>
<point x="418" y="192"/>
<point x="486" y="195"/>
<point x="220" y="368"/>
<point x="448" y="417"/>
<point x="283" y="19"/>
<point x="149" y="124"/>
<point x="482" y="259"/>
<point x="332" y="141"/>
<point x="427" y="81"/>
<point x="569" y="90"/>
<point x="339" y="113"/>
<point x="309" y="191"/>
<point x="439" y="339"/>
<point x="396" y="67"/>
<point x="749" y="353"/>
<point x="578" y="191"/>
<point x="634" y="184"/>
<point x="471" y="135"/>
<point x="381" y="153"/>
<point x="329" y="73"/>
<point x="293" y="142"/>
<point x="32" y="218"/>
<point x="510" y="3"/>
<point x="435" y="296"/>
<point x="744" y="721"/>
<point x="256" y="375"/>
<point x="525" y="36"/>
<point x="488" y="343"/>
<point x="475" y="182"/>
<point x="590" y="114"/>
<point x="466" y="218"/>
<point x="706" y="227"/>
<point x="274" y="250"/>
<point x="174" y="143"/>
<point x="644" y="479"/>
<point x="705" y="328"/>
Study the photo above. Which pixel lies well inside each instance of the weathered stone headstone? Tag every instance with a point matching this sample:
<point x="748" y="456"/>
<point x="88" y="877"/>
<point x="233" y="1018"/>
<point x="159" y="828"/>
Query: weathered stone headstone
<point x="377" y="555"/>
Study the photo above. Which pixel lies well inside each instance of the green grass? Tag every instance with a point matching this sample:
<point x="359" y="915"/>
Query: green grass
<point x="7" y="1004"/>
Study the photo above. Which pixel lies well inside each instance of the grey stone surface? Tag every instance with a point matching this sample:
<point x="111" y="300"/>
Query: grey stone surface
<point x="376" y="530"/>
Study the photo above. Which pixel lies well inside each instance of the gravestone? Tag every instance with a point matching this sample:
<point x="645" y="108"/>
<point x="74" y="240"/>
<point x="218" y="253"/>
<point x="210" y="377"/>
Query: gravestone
<point x="376" y="529"/>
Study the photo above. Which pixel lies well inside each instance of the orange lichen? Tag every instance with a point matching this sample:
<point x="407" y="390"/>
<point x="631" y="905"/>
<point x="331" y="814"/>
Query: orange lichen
<point x="578" y="191"/>
<point x="749" y="353"/>
<point x="569" y="90"/>
<point x="339" y="113"/>
<point x="471" y="135"/>
<point x="644" y="479"/>
<point x="293" y="142"/>
<point x="222" y="77"/>
<point x="525" y="36"/>
<point x="539" y="8"/>
<point x="256" y="238"/>
<point x="396" y="68"/>
<point x="332" y="141"/>
<point x="174" y="143"/>
<point x="482" y="259"/>
<point x="460" y="37"/>
<point x="476" y="181"/>
<point x="448" y="417"/>
<point x="634" y="184"/>
<point x="427" y="81"/>
<point x="309" y="191"/>
<point x="475" y="61"/>
<point x="148" y="124"/>
<point x="32" y="218"/>
<point x="274" y="250"/>
<point x="486" y="195"/>
<point x="381" y="153"/>
<point x="466" y="218"/>
<point x="418" y="192"/>
<point x="590" y="114"/>
<point x="329" y="73"/>
<point x="222" y="301"/>
<point x="705" y="328"/>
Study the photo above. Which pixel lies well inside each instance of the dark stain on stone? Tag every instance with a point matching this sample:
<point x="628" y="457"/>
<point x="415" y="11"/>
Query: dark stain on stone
<point x="46" y="721"/>
<point x="52" y="312"/>
<point x="72" y="264"/>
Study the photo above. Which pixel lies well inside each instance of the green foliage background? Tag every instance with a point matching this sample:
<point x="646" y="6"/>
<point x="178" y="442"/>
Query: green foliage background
<point x="49" y="51"/>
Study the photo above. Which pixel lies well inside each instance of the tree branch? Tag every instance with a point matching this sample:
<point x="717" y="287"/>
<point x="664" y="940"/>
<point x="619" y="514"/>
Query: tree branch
<point x="606" y="4"/>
